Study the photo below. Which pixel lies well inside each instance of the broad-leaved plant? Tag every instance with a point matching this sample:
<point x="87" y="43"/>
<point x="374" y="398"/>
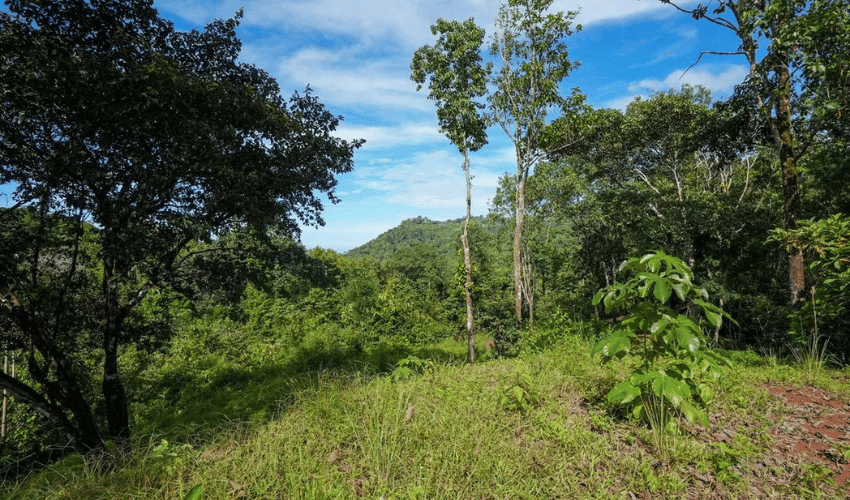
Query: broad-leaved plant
<point x="661" y="330"/>
<point x="826" y="243"/>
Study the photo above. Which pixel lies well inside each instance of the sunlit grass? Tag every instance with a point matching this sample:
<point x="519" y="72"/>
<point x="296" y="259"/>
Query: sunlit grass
<point x="446" y="432"/>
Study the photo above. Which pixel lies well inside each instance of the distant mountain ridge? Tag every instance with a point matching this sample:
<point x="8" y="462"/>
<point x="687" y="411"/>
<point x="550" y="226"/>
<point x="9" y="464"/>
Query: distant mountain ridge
<point x="443" y="236"/>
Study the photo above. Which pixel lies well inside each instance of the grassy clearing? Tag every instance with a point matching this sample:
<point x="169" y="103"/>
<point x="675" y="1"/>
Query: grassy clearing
<point x="452" y="431"/>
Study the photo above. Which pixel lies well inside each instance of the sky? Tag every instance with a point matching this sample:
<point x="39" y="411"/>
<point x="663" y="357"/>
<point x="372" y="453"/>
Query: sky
<point x="355" y="55"/>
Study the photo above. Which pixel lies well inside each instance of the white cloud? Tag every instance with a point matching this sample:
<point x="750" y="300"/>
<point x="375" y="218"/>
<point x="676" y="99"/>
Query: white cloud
<point x="371" y="21"/>
<point x="379" y="137"/>
<point x="719" y="80"/>
<point x="502" y="158"/>
<point x="373" y="40"/>
<point x="364" y="19"/>
<point x="429" y="180"/>
<point x="620" y="103"/>
<point x="389" y="21"/>
<point x="612" y="10"/>
<point x="348" y="77"/>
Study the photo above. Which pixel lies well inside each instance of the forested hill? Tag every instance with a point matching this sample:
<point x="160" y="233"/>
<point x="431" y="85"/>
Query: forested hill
<point x="442" y="236"/>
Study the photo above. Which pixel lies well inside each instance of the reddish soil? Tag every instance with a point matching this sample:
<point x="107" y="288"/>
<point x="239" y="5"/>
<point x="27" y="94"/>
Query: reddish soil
<point x="808" y="455"/>
<point x="815" y="431"/>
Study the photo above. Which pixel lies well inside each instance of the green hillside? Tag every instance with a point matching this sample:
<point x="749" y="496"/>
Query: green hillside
<point x="443" y="236"/>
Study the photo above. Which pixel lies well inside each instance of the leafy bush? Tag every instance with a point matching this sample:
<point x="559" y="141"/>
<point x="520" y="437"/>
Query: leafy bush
<point x="326" y="346"/>
<point x="409" y="366"/>
<point x="824" y="314"/>
<point x="668" y="342"/>
<point x="559" y="329"/>
<point x="519" y="391"/>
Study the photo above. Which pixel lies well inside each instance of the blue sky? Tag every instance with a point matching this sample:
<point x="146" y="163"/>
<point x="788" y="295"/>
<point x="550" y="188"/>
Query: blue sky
<point x="355" y="55"/>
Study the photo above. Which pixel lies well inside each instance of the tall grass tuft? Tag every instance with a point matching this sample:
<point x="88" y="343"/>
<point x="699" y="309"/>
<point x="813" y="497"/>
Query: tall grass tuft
<point x="812" y="355"/>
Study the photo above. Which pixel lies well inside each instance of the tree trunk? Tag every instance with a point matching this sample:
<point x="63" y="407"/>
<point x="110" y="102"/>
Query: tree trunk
<point x="792" y="205"/>
<point x="527" y="285"/>
<point x="783" y="138"/>
<point x="117" y="414"/>
<point x="5" y="394"/>
<point x="61" y="389"/>
<point x="467" y="264"/>
<point x="520" y="220"/>
<point x="717" y="328"/>
<point x="82" y="433"/>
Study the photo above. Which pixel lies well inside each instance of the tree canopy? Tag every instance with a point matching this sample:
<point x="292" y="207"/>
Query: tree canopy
<point x="161" y="143"/>
<point x="797" y="84"/>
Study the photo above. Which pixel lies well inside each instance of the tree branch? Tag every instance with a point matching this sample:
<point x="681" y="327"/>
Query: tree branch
<point x="716" y="20"/>
<point x="28" y="396"/>
<point x="738" y="53"/>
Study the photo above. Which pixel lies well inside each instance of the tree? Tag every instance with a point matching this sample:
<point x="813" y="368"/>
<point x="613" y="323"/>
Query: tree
<point x="151" y="146"/>
<point x="550" y="243"/>
<point x="796" y="82"/>
<point x="534" y="61"/>
<point x="661" y="149"/>
<point x="825" y="313"/>
<point x="456" y="80"/>
<point x="674" y="173"/>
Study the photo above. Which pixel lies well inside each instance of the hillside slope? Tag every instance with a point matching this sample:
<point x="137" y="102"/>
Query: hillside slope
<point x="411" y="233"/>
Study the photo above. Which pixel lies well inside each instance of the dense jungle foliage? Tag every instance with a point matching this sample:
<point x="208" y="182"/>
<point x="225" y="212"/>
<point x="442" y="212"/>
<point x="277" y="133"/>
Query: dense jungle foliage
<point x="168" y="300"/>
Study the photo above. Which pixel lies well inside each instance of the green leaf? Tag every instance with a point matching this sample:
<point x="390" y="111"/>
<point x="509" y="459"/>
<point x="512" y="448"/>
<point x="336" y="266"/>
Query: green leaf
<point x="673" y="390"/>
<point x="608" y="300"/>
<point x="616" y="343"/>
<point x="659" y="326"/>
<point x="518" y="393"/>
<point x="662" y="290"/>
<point x="679" y="288"/>
<point x="714" y="318"/>
<point x="598" y="296"/>
<point x="641" y="379"/>
<point x="623" y="393"/>
<point x="715" y="359"/>
<point x="646" y="282"/>
<point x="639" y="412"/>
<point x="693" y="414"/>
<point x="196" y="493"/>
<point x="706" y="393"/>
<point x="686" y="339"/>
<point x="713" y="313"/>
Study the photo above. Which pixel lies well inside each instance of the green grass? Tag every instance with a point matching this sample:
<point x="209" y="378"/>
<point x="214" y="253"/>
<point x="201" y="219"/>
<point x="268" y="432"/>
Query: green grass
<point x="447" y="432"/>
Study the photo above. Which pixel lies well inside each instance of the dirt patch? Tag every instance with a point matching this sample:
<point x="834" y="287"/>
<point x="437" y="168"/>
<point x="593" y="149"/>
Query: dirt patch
<point x="808" y="456"/>
<point x="815" y="431"/>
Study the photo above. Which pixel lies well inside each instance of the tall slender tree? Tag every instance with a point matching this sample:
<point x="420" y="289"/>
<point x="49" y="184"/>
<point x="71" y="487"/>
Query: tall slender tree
<point x="533" y="61"/>
<point x="456" y="80"/>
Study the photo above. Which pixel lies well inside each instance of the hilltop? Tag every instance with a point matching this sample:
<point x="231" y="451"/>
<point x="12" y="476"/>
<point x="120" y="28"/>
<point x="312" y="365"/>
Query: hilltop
<point x="442" y="236"/>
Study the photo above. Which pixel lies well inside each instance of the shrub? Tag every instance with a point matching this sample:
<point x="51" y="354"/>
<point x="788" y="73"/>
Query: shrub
<point x="668" y="344"/>
<point x="824" y="315"/>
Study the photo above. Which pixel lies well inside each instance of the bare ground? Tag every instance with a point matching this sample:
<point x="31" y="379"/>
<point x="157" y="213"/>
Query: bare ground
<point x="808" y="455"/>
<point x="815" y="431"/>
